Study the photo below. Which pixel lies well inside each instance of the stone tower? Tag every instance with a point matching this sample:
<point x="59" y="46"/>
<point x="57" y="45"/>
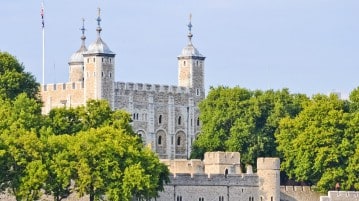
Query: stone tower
<point x="76" y="62"/>
<point x="191" y="68"/>
<point x="268" y="170"/>
<point x="99" y="71"/>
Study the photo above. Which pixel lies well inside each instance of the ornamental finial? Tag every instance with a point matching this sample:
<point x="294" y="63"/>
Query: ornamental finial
<point x="190" y="35"/>
<point x="83" y="37"/>
<point x="99" y="29"/>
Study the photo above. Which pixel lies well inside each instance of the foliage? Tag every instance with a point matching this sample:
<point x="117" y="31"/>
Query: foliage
<point x="13" y="79"/>
<point x="237" y="119"/>
<point x="108" y="161"/>
<point x="317" y="145"/>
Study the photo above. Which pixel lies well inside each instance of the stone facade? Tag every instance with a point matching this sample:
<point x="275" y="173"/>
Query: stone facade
<point x="219" y="177"/>
<point x="166" y="117"/>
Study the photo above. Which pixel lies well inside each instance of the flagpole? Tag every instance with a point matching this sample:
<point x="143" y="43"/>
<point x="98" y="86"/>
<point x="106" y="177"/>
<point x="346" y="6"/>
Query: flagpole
<point x="43" y="44"/>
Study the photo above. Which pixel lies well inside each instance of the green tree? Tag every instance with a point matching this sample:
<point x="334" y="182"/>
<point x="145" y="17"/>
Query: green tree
<point x="13" y="79"/>
<point x="111" y="162"/>
<point x="315" y="145"/>
<point x="60" y="166"/>
<point x="237" y="119"/>
<point x="23" y="172"/>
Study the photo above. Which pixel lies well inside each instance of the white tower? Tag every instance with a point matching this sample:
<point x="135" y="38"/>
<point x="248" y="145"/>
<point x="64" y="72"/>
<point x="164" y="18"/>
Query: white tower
<point x="99" y="72"/>
<point x="191" y="68"/>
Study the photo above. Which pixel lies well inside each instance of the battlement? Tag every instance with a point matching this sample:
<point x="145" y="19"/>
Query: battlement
<point x="222" y="158"/>
<point x="341" y="196"/>
<point x="296" y="189"/>
<point x="194" y="166"/>
<point x="63" y="86"/>
<point x="214" y="180"/>
<point x="122" y="86"/>
<point x="268" y="164"/>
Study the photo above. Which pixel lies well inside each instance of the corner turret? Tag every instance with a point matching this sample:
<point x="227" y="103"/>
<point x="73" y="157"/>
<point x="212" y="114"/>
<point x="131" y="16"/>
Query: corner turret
<point x="191" y="67"/>
<point x="99" y="72"/>
<point x="268" y="170"/>
<point x="76" y="62"/>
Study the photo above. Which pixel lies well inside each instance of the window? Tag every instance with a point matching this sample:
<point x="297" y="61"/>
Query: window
<point x="178" y="141"/>
<point x="110" y="74"/>
<point x="110" y="60"/>
<point x="221" y="198"/>
<point x="137" y="116"/>
<point x="159" y="140"/>
<point x="197" y="121"/>
<point x="94" y="59"/>
<point x="201" y="199"/>
<point x="197" y="92"/>
<point x="102" y="74"/>
<point x="191" y="122"/>
<point x="271" y="198"/>
<point x="102" y="60"/>
<point x="179" y="120"/>
<point x="73" y="85"/>
<point x="160" y="119"/>
<point x="261" y="198"/>
<point x="179" y="198"/>
<point x="197" y="63"/>
<point x="88" y="60"/>
<point x="184" y="63"/>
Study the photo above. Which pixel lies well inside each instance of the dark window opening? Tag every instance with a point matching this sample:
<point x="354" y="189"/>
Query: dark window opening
<point x="159" y="140"/>
<point x="178" y="141"/>
<point x="179" y="120"/>
<point x="160" y="119"/>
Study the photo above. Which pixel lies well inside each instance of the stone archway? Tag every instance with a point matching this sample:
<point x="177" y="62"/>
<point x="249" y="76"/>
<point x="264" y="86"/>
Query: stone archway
<point x="180" y="145"/>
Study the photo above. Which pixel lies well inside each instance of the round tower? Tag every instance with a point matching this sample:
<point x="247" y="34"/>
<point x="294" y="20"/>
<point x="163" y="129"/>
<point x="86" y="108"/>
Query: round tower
<point x="99" y="71"/>
<point x="268" y="170"/>
<point x="76" y="62"/>
<point x="191" y="67"/>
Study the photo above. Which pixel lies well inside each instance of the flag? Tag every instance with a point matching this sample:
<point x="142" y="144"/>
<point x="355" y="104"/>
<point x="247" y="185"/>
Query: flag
<point x="42" y="15"/>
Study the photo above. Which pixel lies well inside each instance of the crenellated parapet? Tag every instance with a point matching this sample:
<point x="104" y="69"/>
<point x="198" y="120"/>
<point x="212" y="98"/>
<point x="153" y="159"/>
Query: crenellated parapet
<point x="341" y="196"/>
<point x="185" y="179"/>
<point x="157" y="88"/>
<point x="62" y="86"/>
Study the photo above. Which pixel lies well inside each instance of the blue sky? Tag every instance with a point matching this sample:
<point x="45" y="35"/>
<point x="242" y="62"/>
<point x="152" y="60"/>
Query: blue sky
<point x="308" y="46"/>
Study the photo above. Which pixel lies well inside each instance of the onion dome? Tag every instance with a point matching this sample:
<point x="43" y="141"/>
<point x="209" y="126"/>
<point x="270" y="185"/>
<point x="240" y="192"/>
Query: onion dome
<point x="78" y="57"/>
<point x="99" y="46"/>
<point x="190" y="50"/>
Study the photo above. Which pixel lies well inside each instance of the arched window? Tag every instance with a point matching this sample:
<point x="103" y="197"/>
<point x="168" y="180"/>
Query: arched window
<point x="159" y="140"/>
<point x="178" y="141"/>
<point x="160" y="119"/>
<point x="179" y="120"/>
<point x="137" y="116"/>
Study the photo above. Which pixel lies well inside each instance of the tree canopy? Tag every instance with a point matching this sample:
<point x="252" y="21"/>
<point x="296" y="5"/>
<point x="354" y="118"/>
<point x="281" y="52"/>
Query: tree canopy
<point x="316" y="138"/>
<point x="91" y="145"/>
<point x="13" y="79"/>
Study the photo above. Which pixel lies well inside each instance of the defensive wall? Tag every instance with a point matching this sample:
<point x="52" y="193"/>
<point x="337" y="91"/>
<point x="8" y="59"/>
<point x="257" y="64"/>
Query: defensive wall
<point x="123" y="86"/>
<point x="298" y="193"/>
<point x="70" y="94"/>
<point x="341" y="196"/>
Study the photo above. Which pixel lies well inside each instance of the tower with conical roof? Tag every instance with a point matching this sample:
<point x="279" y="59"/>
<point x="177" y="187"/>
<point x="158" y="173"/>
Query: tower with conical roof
<point x="99" y="71"/>
<point x="76" y="62"/>
<point x="191" y="67"/>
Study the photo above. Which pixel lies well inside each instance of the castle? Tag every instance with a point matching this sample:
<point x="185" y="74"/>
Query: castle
<point x="166" y="117"/>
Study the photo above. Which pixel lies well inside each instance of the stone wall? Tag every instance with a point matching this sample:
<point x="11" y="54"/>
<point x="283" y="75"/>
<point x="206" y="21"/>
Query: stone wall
<point x="298" y="193"/>
<point x="69" y="94"/>
<point x="341" y="196"/>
